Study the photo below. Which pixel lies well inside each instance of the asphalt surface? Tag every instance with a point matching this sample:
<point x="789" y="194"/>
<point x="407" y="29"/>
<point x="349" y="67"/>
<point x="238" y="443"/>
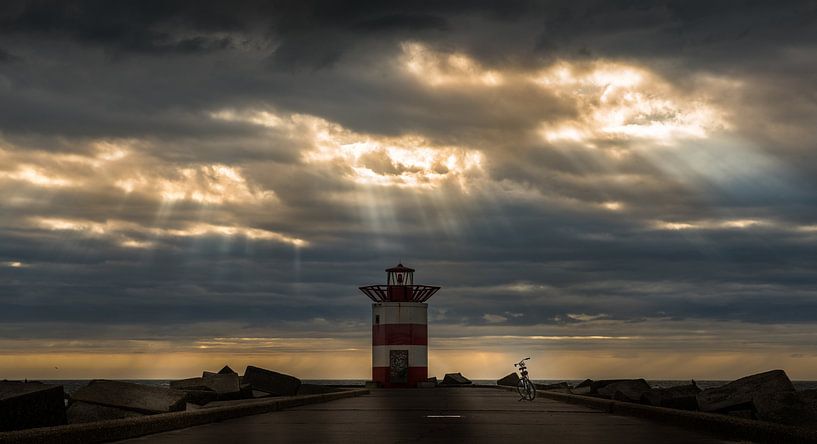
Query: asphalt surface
<point x="441" y="415"/>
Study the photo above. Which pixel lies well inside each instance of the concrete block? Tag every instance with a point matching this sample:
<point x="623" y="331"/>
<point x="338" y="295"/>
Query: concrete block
<point x="201" y="397"/>
<point x="683" y="397"/>
<point x="509" y="380"/>
<point x="275" y="383"/>
<point x="627" y="390"/>
<point x="785" y="408"/>
<point x="563" y="386"/>
<point x="189" y="384"/>
<point x="25" y="405"/>
<point x="586" y="383"/>
<point x="227" y="371"/>
<point x="223" y="384"/>
<point x="79" y="412"/>
<point x="455" y="379"/>
<point x="595" y="386"/>
<point x="129" y="396"/>
<point x="739" y="393"/>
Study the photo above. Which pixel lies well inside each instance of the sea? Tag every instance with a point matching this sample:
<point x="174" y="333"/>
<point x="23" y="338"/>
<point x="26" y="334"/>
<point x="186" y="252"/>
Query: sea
<point x="72" y="385"/>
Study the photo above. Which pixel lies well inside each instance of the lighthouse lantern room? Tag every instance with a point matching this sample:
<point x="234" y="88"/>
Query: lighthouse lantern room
<point x="399" y="328"/>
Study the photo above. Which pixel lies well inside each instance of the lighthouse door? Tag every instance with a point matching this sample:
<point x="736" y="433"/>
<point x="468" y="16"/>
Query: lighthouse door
<point x="398" y="366"/>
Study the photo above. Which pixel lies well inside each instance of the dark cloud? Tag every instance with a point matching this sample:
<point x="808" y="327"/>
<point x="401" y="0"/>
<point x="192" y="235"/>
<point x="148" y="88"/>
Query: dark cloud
<point x="247" y="165"/>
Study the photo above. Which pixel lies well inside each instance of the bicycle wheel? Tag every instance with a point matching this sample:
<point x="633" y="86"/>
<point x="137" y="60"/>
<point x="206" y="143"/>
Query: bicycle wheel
<point x="526" y="389"/>
<point x="531" y="390"/>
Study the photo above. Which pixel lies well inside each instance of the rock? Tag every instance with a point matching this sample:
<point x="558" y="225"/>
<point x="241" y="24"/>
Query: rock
<point x="683" y="397"/>
<point x="225" y="386"/>
<point x="738" y="394"/>
<point x="455" y="379"/>
<point x="509" y="381"/>
<point x="557" y="386"/>
<point x="627" y="390"/>
<point x="585" y="383"/>
<point x="201" y="397"/>
<point x="432" y="379"/>
<point x="25" y="405"/>
<point x="227" y="371"/>
<point x="809" y="396"/>
<point x="596" y="385"/>
<point x="189" y="384"/>
<point x="246" y="391"/>
<point x="785" y="408"/>
<point x="79" y="412"/>
<point x="274" y="383"/>
<point x="426" y="385"/>
<point x="130" y="396"/>
<point x="583" y="388"/>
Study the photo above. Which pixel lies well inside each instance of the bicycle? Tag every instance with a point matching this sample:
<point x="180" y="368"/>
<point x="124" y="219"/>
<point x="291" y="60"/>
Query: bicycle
<point x="525" y="387"/>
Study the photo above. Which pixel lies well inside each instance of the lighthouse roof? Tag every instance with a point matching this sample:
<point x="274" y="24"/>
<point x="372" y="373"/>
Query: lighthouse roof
<point x="399" y="268"/>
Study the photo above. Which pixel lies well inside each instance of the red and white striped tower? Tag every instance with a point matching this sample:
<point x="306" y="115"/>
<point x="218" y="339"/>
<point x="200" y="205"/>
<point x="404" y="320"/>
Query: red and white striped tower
<point x="399" y="329"/>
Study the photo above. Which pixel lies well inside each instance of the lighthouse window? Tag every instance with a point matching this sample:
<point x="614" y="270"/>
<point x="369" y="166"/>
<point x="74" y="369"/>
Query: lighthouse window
<point x="376" y="319"/>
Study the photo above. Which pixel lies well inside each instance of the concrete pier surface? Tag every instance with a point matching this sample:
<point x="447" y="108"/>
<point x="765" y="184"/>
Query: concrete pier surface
<point x="440" y="415"/>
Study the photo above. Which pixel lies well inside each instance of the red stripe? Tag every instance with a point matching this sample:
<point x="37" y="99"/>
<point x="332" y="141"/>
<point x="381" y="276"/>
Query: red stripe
<point x="400" y="334"/>
<point x="415" y="375"/>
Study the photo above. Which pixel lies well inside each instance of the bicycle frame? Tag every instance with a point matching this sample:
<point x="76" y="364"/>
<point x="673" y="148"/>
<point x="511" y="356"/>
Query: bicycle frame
<point x="525" y="386"/>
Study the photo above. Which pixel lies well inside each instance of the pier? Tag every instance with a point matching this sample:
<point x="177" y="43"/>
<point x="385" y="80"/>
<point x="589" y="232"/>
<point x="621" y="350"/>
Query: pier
<point x="440" y="415"/>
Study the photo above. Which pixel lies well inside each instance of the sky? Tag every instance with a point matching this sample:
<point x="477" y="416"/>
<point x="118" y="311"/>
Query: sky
<point x="615" y="189"/>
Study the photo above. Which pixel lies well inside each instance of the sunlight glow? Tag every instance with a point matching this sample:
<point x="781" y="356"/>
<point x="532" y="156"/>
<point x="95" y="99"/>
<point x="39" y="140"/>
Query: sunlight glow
<point x="405" y="161"/>
<point x="123" y="231"/>
<point x="713" y="224"/>
<point x="439" y="69"/>
<point x="617" y="101"/>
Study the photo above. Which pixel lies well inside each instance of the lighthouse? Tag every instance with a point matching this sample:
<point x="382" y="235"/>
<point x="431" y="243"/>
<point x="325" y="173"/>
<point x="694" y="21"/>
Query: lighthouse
<point x="399" y="328"/>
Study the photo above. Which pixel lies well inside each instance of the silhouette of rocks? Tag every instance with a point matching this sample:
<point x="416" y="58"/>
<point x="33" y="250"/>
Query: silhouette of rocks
<point x="30" y="404"/>
<point x="785" y="408"/>
<point x="227" y="371"/>
<point x="455" y="379"/>
<point x="510" y="380"/>
<point x="79" y="412"/>
<point x="683" y="397"/>
<point x="225" y="386"/>
<point x="583" y="388"/>
<point x="129" y="396"/>
<point x="274" y="383"/>
<point x="189" y="384"/>
<point x="201" y="397"/>
<point x="739" y="394"/>
<point x="629" y="390"/>
<point x="563" y="386"/>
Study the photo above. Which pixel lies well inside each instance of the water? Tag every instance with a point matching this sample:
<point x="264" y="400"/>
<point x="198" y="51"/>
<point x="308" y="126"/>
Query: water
<point x="72" y="385"/>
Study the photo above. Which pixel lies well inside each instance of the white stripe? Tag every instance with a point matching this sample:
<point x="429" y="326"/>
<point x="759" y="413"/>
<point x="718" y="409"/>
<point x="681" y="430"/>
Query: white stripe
<point x="418" y="355"/>
<point x="399" y="313"/>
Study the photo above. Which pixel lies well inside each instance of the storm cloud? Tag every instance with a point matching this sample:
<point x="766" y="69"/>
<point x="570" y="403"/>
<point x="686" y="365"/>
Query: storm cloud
<point x="583" y="179"/>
